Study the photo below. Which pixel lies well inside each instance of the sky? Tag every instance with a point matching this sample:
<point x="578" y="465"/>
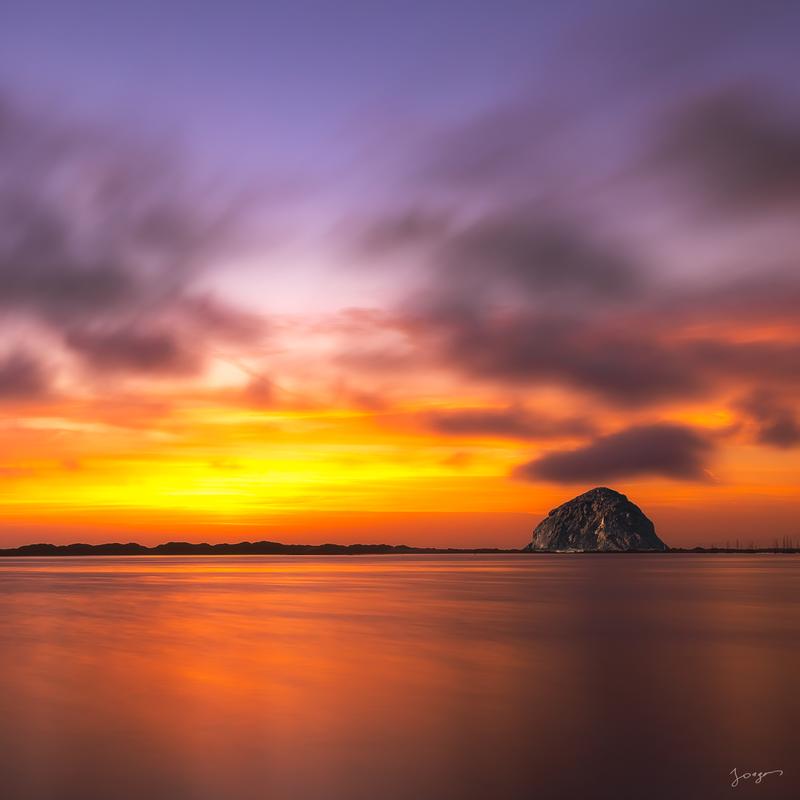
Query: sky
<point x="405" y="272"/>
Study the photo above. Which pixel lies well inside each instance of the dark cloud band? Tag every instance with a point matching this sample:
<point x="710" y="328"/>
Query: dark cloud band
<point x="662" y="450"/>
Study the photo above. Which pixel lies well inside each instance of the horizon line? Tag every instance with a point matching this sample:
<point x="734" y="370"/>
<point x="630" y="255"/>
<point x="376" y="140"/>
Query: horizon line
<point x="269" y="547"/>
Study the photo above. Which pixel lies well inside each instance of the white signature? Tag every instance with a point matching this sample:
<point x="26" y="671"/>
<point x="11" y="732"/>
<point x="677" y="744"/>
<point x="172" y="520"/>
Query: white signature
<point x="746" y="776"/>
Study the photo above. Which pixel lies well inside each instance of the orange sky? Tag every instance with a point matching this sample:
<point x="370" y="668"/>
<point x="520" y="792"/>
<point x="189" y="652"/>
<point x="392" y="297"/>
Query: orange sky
<point x="205" y="468"/>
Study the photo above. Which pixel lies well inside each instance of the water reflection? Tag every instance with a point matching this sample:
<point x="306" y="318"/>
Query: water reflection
<point x="428" y="677"/>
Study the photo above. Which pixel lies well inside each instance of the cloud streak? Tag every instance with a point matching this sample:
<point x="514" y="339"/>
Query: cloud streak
<point x="536" y="283"/>
<point x="777" y="423"/>
<point x="740" y="148"/>
<point x="662" y="450"/>
<point x="22" y="377"/>
<point x="512" y="422"/>
<point x="104" y="243"/>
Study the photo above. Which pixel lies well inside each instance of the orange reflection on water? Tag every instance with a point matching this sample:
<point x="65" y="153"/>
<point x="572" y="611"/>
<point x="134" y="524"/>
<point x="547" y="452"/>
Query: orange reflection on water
<point x="395" y="677"/>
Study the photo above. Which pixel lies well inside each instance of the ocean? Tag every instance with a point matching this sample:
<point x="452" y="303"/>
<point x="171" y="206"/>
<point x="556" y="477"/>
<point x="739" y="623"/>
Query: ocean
<point x="400" y="677"/>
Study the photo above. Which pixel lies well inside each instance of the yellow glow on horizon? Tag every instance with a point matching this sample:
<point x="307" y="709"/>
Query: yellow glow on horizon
<point x="201" y="463"/>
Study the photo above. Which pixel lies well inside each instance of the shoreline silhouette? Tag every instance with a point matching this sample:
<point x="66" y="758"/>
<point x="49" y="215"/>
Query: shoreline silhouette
<point x="278" y="548"/>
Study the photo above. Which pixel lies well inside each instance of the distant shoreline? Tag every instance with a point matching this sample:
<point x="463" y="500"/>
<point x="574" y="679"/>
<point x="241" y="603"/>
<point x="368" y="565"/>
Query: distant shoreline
<point x="267" y="548"/>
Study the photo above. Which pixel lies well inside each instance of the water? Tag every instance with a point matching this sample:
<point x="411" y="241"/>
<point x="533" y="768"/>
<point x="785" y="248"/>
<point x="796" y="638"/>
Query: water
<point x="398" y="677"/>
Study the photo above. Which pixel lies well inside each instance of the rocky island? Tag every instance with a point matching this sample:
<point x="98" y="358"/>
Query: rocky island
<point x="600" y="520"/>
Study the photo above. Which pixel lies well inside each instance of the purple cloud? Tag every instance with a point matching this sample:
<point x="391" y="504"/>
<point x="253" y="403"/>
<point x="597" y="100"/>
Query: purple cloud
<point x="662" y="449"/>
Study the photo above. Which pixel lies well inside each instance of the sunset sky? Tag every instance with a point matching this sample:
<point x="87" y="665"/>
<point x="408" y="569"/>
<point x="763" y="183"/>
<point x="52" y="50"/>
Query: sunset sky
<point x="397" y="271"/>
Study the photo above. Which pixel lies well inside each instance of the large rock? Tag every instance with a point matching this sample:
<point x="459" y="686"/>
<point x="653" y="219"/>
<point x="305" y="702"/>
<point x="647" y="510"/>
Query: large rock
<point x="598" y="520"/>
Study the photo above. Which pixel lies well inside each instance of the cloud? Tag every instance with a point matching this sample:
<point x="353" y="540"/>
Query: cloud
<point x="22" y="377"/>
<point x="777" y="422"/>
<point x="549" y="250"/>
<point x="524" y="296"/>
<point x="132" y="349"/>
<point x="512" y="422"/>
<point x="535" y="255"/>
<point x="105" y="242"/>
<point x="539" y="303"/>
<point x="539" y="299"/>
<point x="740" y="147"/>
<point x="782" y="430"/>
<point x="752" y="361"/>
<point x="662" y="449"/>
<point x="618" y="362"/>
<point x="400" y="230"/>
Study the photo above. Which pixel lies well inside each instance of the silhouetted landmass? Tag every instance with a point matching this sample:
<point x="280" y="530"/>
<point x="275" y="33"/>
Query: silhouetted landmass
<point x="279" y="549"/>
<point x="600" y="520"/>
<point x="236" y="549"/>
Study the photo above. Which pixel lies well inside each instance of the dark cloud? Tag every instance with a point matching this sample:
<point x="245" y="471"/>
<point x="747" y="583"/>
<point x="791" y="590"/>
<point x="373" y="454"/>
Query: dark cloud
<point x="512" y="422"/>
<point x="617" y="362"/>
<point x="525" y="296"/>
<point x="550" y="232"/>
<point x="131" y="349"/>
<point x="749" y="361"/>
<point x="549" y="247"/>
<point x="401" y="230"/>
<point x="782" y="430"/>
<point x="22" y="377"/>
<point x="526" y="300"/>
<point x="740" y="147"/>
<point x="528" y="292"/>
<point x="205" y="315"/>
<point x="770" y="295"/>
<point x="663" y="449"/>
<point x="511" y="254"/>
<point x="627" y="359"/>
<point x="777" y="421"/>
<point x="104" y="242"/>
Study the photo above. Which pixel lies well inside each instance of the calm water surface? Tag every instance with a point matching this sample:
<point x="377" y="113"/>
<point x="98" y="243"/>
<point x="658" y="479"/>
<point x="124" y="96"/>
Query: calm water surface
<point x="398" y="677"/>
